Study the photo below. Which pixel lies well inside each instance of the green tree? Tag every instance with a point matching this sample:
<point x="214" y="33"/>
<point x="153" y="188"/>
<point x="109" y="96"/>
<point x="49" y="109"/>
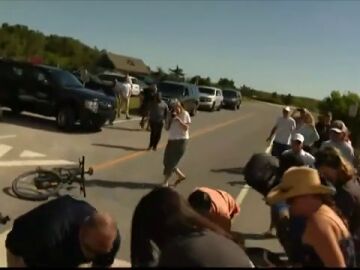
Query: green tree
<point x="226" y="83"/>
<point x="201" y="81"/>
<point x="287" y="99"/>
<point x="177" y="74"/>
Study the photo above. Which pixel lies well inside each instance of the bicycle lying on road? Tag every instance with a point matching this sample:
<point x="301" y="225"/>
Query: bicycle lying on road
<point x="40" y="184"/>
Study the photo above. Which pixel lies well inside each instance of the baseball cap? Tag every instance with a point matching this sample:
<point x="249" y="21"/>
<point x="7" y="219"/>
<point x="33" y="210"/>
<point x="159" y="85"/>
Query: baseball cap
<point x="338" y="126"/>
<point x="287" y="108"/>
<point x="298" y="137"/>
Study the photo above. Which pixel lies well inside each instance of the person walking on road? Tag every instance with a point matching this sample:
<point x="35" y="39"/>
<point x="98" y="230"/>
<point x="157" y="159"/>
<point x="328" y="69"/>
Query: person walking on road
<point x="178" y="125"/>
<point x="297" y="145"/>
<point x="167" y="232"/>
<point x="216" y="205"/>
<point x="157" y="115"/>
<point x="338" y="140"/>
<point x="148" y="96"/>
<point x="283" y="128"/>
<point x="125" y="91"/>
<point x="63" y="233"/>
<point x="326" y="240"/>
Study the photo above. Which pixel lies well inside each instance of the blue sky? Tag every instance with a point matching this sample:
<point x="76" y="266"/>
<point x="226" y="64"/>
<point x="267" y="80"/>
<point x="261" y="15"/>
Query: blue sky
<point x="301" y="47"/>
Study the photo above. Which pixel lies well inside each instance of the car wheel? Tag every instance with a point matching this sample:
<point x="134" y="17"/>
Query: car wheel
<point x="65" y="118"/>
<point x="97" y="125"/>
<point x="213" y="107"/>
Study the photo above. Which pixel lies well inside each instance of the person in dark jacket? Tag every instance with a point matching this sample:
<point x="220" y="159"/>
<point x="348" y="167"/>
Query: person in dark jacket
<point x="147" y="97"/>
<point x="157" y="115"/>
<point x="167" y="232"/>
<point x="63" y="233"/>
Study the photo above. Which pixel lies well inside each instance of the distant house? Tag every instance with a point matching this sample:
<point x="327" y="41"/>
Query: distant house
<point x="126" y="64"/>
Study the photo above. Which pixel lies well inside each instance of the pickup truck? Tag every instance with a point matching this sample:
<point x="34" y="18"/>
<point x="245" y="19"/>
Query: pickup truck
<point x="51" y="91"/>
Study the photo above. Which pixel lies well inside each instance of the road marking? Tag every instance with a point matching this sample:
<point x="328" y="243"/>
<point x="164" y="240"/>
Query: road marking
<point x="3" y="261"/>
<point x="31" y="154"/>
<point x="110" y="163"/>
<point x="18" y="163"/>
<point x="7" y="136"/>
<point x="124" y="121"/>
<point x="4" y="149"/>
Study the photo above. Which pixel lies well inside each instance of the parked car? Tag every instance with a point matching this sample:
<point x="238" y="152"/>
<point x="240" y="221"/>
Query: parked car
<point x="111" y="76"/>
<point x="96" y="84"/>
<point x="232" y="98"/>
<point x="186" y="93"/>
<point x="52" y="91"/>
<point x="210" y="98"/>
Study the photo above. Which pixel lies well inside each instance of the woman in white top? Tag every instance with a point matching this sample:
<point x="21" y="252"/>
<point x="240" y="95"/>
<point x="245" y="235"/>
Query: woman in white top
<point x="178" y="127"/>
<point x="308" y="130"/>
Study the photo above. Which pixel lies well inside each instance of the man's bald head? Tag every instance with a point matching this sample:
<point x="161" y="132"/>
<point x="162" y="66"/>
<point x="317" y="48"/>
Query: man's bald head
<point x="99" y="232"/>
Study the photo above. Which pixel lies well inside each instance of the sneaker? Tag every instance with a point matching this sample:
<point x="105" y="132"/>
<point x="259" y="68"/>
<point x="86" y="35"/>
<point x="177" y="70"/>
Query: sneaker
<point x="166" y="184"/>
<point x="179" y="180"/>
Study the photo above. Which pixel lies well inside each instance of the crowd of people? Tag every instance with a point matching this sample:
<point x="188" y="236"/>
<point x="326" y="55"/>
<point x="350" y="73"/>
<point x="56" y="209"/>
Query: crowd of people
<point x="317" y="196"/>
<point x="314" y="197"/>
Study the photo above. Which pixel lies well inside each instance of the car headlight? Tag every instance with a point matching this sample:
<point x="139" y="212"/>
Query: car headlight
<point x="92" y="105"/>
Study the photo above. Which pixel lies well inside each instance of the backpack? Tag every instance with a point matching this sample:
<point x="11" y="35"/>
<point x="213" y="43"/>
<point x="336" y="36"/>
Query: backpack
<point x="260" y="172"/>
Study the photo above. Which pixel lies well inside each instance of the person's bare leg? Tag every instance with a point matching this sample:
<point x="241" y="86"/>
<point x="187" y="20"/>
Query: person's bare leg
<point x="166" y="180"/>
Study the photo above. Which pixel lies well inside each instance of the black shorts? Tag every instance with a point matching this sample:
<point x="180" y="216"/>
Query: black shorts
<point x="278" y="149"/>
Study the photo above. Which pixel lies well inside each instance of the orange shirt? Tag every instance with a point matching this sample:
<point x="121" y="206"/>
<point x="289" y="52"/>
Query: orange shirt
<point x="223" y="207"/>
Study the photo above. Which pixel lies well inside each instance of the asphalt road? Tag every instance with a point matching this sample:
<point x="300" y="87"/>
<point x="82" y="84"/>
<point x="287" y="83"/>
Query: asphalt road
<point x="220" y="145"/>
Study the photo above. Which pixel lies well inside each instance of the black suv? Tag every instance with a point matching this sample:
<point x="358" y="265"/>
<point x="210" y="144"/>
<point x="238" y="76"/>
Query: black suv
<point x="52" y="91"/>
<point x="232" y="98"/>
<point x="188" y="94"/>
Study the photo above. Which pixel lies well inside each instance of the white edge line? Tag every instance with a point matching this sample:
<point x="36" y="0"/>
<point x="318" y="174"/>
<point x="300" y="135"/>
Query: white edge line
<point x="3" y="260"/>
<point x="18" y="163"/>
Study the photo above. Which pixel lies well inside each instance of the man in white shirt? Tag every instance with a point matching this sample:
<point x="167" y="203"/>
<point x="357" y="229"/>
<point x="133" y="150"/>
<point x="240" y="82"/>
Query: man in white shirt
<point x="338" y="140"/>
<point x="297" y="144"/>
<point x="123" y="91"/>
<point x="283" y="129"/>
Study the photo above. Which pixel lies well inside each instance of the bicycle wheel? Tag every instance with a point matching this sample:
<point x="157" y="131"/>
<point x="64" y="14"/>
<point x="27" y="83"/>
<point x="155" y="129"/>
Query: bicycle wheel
<point x="36" y="185"/>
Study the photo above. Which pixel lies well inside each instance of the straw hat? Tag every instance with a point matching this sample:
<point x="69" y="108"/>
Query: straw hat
<point x="298" y="181"/>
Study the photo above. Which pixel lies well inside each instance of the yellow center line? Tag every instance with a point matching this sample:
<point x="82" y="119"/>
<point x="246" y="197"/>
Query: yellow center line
<point x="110" y="163"/>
